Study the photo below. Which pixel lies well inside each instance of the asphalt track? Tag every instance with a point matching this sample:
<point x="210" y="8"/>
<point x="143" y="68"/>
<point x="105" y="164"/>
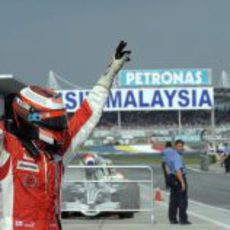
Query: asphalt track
<point x="209" y="206"/>
<point x="212" y="188"/>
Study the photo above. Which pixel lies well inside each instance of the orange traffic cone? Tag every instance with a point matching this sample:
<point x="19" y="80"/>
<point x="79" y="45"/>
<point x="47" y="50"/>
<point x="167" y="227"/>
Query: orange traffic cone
<point x="158" y="196"/>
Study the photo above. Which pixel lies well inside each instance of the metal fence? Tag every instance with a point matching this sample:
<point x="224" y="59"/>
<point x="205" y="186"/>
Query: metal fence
<point x="124" y="190"/>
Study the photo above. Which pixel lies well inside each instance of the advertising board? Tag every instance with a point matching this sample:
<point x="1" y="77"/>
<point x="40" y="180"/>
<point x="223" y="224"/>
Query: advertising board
<point x="142" y="99"/>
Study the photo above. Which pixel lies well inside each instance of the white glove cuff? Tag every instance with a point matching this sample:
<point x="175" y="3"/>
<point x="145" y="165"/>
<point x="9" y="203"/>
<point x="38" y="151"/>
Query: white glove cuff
<point x="106" y="79"/>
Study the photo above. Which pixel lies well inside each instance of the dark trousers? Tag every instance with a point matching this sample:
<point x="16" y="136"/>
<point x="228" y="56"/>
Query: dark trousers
<point x="178" y="200"/>
<point x="227" y="164"/>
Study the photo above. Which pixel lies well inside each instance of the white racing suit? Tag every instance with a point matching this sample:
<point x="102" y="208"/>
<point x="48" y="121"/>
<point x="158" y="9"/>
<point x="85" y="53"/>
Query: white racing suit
<point x="30" y="188"/>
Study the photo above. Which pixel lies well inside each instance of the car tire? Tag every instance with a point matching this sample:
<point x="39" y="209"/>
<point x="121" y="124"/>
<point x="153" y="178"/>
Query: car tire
<point x="126" y="215"/>
<point x="129" y="196"/>
<point x="65" y="215"/>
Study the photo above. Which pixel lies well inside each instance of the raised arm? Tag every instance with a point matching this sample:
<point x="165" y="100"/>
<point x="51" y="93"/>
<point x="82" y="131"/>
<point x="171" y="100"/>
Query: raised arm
<point x="87" y="116"/>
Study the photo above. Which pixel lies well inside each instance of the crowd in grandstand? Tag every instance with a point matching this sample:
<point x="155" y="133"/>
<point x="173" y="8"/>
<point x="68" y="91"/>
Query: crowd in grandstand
<point x="164" y="118"/>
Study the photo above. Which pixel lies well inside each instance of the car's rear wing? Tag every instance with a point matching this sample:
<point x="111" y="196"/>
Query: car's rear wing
<point x="8" y="86"/>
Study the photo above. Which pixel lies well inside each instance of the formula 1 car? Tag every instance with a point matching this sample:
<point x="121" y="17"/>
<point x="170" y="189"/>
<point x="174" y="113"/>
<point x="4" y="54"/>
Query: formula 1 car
<point x="96" y="190"/>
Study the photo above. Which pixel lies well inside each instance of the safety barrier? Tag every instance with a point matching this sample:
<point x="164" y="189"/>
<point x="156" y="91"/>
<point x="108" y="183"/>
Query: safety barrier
<point x="124" y="190"/>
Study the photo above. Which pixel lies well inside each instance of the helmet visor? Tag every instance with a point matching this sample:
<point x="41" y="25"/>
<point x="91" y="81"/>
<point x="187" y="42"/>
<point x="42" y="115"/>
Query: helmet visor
<point x="55" y="120"/>
<point x="55" y="123"/>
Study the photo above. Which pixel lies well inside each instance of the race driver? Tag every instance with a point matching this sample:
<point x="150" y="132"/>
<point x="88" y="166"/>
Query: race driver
<point x="38" y="140"/>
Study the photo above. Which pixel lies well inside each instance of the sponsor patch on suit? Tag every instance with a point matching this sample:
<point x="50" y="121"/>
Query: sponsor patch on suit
<point x="27" y="166"/>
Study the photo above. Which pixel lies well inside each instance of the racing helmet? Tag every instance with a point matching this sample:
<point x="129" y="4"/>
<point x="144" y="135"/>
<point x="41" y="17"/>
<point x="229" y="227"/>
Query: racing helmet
<point x="41" y="111"/>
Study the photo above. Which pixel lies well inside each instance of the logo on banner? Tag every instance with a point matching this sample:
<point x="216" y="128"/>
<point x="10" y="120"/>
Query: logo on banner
<point x="170" y="77"/>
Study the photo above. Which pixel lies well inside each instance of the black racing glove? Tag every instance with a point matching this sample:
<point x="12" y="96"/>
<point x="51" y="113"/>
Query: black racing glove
<point x="121" y="53"/>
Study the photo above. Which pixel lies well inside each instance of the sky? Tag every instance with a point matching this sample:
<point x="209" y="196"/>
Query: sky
<point x="76" y="38"/>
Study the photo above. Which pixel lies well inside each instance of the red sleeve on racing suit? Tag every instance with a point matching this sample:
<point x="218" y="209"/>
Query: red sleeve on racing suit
<point x="4" y="154"/>
<point x="79" y="118"/>
<point x="84" y="121"/>
<point x="76" y="123"/>
<point x="4" y="168"/>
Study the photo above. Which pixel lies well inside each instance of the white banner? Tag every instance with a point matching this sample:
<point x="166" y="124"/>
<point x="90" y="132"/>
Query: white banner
<point x="186" y="98"/>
